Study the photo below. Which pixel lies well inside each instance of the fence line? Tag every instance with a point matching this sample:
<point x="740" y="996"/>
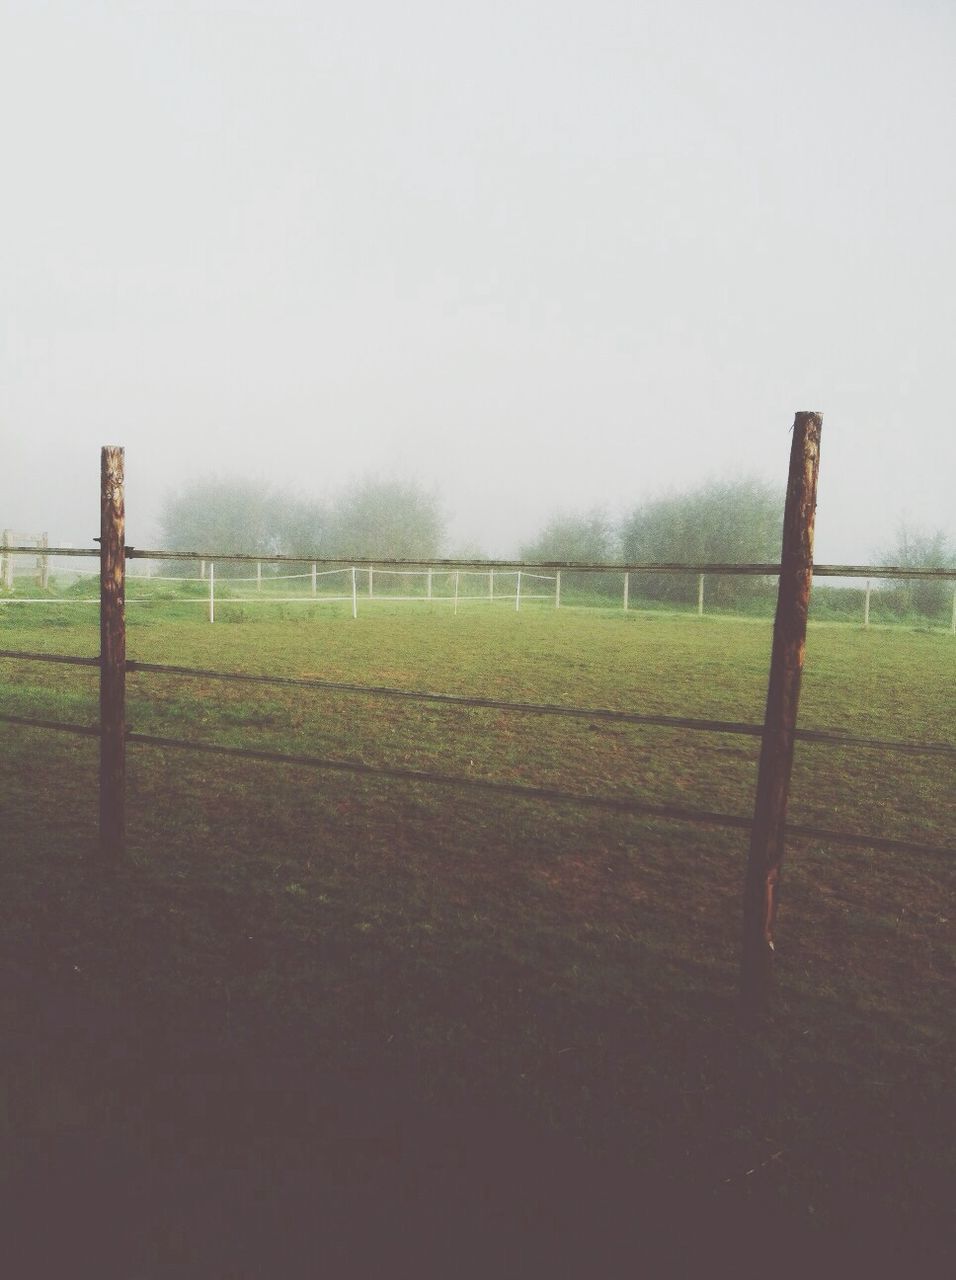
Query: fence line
<point x="766" y="570"/>
<point x="493" y="569"/>
<point x="453" y="569"/>
<point x="767" y="826"/>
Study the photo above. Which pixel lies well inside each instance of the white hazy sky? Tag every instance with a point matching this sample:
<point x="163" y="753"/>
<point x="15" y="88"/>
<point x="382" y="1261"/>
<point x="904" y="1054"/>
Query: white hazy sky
<point x="540" y="255"/>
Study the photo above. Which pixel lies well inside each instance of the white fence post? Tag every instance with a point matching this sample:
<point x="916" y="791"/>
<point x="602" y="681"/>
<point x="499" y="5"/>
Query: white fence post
<point x="202" y="568"/>
<point x="557" y="589"/>
<point x="370" y="581"/>
<point x="700" y="595"/>
<point x="212" y="592"/>
<point x="954" y="608"/>
<point x="456" y="590"/>
<point x="258" y="575"/>
<point x="429" y="586"/>
<point x="491" y="584"/>
<point x="866" y="605"/>
<point x="518" y="593"/>
<point x="354" y="595"/>
<point x="627" y="589"/>
<point x="313" y="579"/>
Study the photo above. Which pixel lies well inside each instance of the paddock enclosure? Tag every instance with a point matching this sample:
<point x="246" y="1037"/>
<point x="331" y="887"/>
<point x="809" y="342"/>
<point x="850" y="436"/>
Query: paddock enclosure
<point x="478" y="872"/>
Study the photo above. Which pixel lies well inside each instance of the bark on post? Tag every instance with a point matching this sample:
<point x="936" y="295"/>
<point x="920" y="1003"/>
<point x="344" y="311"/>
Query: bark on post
<point x="776" y="754"/>
<point x="112" y="656"/>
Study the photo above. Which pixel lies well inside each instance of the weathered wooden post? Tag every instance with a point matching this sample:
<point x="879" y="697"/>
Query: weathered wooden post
<point x="762" y="885"/>
<point x="700" y="595"/>
<point x="557" y="588"/>
<point x="112" y="656"/>
<point x="43" y="563"/>
<point x="627" y="589"/>
<point x="6" y="561"/>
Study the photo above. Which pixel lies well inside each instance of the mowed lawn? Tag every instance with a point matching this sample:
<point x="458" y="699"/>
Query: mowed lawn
<point x="345" y="1018"/>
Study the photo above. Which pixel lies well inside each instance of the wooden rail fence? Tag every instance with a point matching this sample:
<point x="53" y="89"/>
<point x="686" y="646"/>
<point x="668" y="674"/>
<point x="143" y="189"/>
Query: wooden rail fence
<point x="768" y="827"/>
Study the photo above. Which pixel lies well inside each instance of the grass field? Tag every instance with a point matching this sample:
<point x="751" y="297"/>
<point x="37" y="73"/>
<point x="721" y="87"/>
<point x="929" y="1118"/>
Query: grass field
<point x="359" y="1018"/>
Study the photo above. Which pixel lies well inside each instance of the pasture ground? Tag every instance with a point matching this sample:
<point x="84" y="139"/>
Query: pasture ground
<point x="332" y="1025"/>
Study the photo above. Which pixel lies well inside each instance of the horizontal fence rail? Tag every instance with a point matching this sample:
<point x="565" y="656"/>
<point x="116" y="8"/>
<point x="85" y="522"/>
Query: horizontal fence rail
<point x="344" y="562"/>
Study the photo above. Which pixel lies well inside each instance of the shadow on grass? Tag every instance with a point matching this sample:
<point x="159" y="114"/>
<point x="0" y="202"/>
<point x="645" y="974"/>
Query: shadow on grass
<point x="168" y="1133"/>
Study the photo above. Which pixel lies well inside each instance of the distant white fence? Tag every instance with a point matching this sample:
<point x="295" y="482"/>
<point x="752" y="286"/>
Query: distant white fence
<point x="438" y="586"/>
<point x="373" y="583"/>
<point x="8" y="558"/>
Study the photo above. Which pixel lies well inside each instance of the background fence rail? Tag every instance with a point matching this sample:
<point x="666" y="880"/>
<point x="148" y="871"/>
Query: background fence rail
<point x="767" y="570"/>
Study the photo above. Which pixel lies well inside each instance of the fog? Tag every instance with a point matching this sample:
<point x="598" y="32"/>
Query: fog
<point x="536" y="256"/>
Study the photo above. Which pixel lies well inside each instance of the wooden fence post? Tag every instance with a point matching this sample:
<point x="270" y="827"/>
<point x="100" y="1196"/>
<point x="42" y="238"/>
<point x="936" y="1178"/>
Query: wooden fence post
<point x="866" y="605"/>
<point x="700" y="595"/>
<point x="627" y="589"/>
<point x="762" y="886"/>
<point x="557" y="588"/>
<point x="6" y="561"/>
<point x="112" y="656"/>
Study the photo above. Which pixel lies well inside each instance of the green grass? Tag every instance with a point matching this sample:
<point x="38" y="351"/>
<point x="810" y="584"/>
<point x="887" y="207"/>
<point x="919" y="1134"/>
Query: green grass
<point x="518" y="1010"/>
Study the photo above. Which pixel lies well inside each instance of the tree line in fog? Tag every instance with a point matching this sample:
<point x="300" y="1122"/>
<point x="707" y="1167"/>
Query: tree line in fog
<point x="729" y="521"/>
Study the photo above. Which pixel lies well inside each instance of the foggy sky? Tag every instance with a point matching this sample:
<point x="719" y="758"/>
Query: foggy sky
<point x="538" y="255"/>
